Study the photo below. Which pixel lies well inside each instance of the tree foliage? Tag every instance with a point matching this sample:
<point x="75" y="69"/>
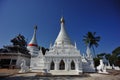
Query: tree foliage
<point x="91" y="40"/>
<point x="19" y="40"/>
<point x="96" y="62"/>
<point x="43" y="50"/>
<point x="116" y="51"/>
<point x="101" y="55"/>
<point x="19" y="44"/>
<point x="116" y="56"/>
<point x="113" y="58"/>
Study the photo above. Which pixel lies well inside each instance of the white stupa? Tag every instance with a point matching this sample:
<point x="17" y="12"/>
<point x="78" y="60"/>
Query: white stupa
<point x="63" y="58"/>
<point x="88" y="63"/>
<point x="33" y="46"/>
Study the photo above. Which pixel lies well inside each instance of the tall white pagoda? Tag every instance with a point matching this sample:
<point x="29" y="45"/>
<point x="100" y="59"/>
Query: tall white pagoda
<point x="63" y="58"/>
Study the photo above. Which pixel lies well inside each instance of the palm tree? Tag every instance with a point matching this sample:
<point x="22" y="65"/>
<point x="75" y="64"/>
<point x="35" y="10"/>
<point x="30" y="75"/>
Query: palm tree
<point x="91" y="40"/>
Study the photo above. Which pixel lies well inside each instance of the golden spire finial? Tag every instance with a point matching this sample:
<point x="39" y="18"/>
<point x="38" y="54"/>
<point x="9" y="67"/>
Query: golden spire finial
<point x="62" y="20"/>
<point x="35" y="27"/>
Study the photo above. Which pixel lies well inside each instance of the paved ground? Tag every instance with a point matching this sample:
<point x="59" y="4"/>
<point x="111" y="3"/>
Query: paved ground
<point x="114" y="75"/>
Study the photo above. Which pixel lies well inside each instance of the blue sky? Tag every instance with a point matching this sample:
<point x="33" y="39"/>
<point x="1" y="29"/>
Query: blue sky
<point x="81" y="16"/>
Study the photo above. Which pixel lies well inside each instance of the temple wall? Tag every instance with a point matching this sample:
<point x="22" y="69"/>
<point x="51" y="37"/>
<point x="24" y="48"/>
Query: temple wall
<point x="67" y="61"/>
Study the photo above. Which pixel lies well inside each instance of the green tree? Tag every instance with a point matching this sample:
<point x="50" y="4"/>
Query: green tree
<point x="116" y="51"/>
<point x="43" y="50"/>
<point x="107" y="56"/>
<point x="91" y="40"/>
<point x="19" y="40"/>
<point x="115" y="58"/>
<point x="19" y="45"/>
<point x="100" y="56"/>
<point x="96" y="61"/>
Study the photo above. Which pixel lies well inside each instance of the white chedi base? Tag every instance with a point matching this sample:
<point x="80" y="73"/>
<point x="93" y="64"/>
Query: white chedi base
<point x="38" y="70"/>
<point x="64" y="72"/>
<point x="38" y="63"/>
<point x="88" y="65"/>
<point x="38" y="66"/>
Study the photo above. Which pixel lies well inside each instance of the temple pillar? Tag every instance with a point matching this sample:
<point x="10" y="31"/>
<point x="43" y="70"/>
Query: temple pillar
<point x="69" y="66"/>
<point x="66" y="66"/>
<point x="48" y="66"/>
<point x="77" y="66"/>
<point x="56" y="66"/>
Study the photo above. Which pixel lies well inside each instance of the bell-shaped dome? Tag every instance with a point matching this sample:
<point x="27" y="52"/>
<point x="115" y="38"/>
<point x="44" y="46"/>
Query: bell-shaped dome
<point x="63" y="37"/>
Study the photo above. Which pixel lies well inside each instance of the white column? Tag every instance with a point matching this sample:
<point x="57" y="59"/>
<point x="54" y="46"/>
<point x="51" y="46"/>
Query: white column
<point x="76" y="66"/>
<point x="56" y="66"/>
<point x="69" y="66"/>
<point x="48" y="66"/>
<point x="65" y="66"/>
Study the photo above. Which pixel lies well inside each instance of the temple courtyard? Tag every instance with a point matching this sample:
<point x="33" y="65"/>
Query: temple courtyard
<point x="12" y="74"/>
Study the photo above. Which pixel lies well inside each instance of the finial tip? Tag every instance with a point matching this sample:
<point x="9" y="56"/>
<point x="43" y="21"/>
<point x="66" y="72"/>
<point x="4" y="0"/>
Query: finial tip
<point x="62" y="20"/>
<point x="35" y="27"/>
